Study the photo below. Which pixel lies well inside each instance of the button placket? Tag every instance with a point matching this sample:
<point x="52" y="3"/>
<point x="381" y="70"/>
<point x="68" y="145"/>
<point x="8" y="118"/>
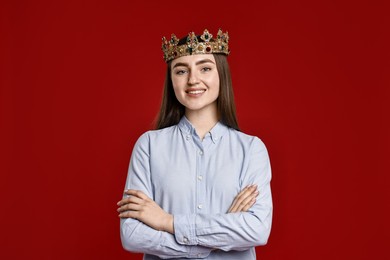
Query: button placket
<point x="200" y="184"/>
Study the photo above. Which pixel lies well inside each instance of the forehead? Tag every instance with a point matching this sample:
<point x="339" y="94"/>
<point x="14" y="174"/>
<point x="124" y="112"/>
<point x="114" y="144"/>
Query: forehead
<point x="193" y="59"/>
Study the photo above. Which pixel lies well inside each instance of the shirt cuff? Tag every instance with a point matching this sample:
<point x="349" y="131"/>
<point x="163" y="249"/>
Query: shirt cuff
<point x="184" y="226"/>
<point x="199" y="252"/>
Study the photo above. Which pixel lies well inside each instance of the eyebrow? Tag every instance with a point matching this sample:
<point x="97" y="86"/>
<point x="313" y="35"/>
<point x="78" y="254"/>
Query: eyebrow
<point x="197" y="63"/>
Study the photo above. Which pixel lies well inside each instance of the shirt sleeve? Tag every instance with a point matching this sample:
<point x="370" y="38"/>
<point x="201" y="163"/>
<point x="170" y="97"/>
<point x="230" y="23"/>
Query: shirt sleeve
<point x="135" y="235"/>
<point x="234" y="231"/>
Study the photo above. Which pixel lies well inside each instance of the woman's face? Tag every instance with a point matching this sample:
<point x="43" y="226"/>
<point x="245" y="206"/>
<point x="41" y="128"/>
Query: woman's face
<point x="195" y="81"/>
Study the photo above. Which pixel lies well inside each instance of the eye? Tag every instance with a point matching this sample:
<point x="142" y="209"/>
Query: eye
<point x="205" y="69"/>
<point x="180" y="72"/>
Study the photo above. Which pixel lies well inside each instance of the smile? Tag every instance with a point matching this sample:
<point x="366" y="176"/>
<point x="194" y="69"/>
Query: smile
<point x="195" y="91"/>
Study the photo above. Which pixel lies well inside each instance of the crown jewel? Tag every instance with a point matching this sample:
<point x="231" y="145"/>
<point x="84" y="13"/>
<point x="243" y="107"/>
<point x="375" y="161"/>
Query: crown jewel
<point x="192" y="46"/>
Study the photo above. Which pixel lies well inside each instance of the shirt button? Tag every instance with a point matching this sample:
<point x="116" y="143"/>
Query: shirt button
<point x="200" y="177"/>
<point x="200" y="206"/>
<point x="188" y="137"/>
<point x="185" y="240"/>
<point x="200" y="152"/>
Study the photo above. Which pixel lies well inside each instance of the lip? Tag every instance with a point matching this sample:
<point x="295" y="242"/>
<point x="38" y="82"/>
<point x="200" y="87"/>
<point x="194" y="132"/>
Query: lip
<point x="195" y="92"/>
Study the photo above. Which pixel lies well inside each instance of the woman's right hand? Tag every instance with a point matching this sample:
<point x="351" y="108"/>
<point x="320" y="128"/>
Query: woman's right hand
<point x="244" y="200"/>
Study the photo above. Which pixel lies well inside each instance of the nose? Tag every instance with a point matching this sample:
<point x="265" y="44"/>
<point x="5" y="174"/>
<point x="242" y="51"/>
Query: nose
<point x="193" y="78"/>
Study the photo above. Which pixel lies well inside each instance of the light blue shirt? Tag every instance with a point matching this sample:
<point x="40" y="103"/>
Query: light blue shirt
<point x="196" y="181"/>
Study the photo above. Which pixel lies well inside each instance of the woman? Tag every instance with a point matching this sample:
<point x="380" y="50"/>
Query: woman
<point x="197" y="187"/>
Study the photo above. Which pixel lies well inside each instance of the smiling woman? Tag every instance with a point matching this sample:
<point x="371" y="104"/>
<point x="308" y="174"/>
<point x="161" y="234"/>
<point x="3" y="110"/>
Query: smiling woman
<point x="197" y="187"/>
<point x="195" y="82"/>
<point x="172" y="110"/>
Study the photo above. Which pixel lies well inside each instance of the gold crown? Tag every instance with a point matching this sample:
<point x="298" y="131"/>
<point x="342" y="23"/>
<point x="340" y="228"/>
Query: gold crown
<point x="192" y="46"/>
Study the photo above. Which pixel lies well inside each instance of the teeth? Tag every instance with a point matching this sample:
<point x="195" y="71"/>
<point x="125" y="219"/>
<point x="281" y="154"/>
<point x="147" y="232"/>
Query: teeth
<point x="196" y="91"/>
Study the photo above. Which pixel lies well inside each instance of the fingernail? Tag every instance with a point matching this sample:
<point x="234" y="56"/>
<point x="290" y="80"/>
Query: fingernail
<point x="118" y="203"/>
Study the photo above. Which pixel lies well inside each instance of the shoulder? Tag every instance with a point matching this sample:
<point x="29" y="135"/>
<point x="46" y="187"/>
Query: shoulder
<point x="153" y="135"/>
<point x="253" y="147"/>
<point x="249" y="145"/>
<point x="155" y="140"/>
<point x="246" y="139"/>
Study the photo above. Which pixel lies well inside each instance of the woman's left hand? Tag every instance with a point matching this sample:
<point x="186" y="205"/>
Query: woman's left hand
<point x="244" y="200"/>
<point x="141" y="207"/>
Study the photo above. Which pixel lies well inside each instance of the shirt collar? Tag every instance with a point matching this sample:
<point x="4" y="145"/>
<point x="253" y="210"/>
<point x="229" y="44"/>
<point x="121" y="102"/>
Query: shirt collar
<point x="216" y="132"/>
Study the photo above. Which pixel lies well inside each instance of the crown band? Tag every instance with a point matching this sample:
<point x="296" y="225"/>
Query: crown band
<point x="192" y="46"/>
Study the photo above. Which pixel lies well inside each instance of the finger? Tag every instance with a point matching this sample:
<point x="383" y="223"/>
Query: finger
<point x="137" y="193"/>
<point x="235" y="201"/>
<point x="247" y="201"/>
<point x="244" y="194"/>
<point x="249" y="205"/>
<point x="130" y="206"/>
<point x="129" y="214"/>
<point x="131" y="199"/>
<point x="246" y="190"/>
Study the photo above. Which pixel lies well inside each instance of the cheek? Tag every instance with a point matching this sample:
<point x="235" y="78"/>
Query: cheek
<point x="177" y="91"/>
<point x="214" y="84"/>
<point x="175" y="85"/>
<point x="177" y="82"/>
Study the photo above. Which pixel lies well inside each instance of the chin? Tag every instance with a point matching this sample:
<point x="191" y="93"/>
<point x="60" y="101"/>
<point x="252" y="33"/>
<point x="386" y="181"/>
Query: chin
<point x="194" y="108"/>
<point x="198" y="107"/>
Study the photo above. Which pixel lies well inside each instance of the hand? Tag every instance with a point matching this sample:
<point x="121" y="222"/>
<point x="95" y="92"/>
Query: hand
<point x="244" y="200"/>
<point x="141" y="207"/>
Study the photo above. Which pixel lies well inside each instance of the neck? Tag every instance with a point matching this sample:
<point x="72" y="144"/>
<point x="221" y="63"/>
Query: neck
<point x="203" y="121"/>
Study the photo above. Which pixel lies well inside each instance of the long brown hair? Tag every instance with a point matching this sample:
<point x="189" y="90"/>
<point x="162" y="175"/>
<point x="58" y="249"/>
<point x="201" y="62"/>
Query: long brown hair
<point x="172" y="111"/>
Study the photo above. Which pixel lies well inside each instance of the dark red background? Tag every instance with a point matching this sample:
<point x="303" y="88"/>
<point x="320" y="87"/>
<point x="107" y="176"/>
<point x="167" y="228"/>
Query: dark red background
<point x="81" y="80"/>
